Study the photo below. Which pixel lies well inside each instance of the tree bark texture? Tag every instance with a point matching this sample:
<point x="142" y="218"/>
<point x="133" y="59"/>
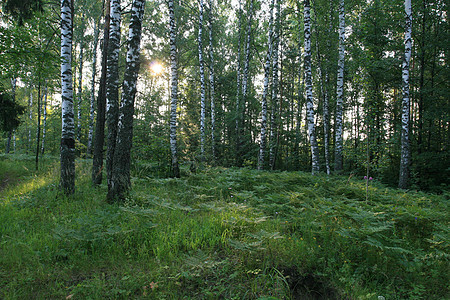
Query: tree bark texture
<point x="338" y="161"/>
<point x="99" y="138"/>
<point x="92" y="101"/>
<point x="212" y="83"/>
<point x="202" y="82"/>
<point x="174" y="90"/>
<point x="68" y="125"/>
<point x="80" y="79"/>
<point x="112" y="86"/>
<point x="275" y="89"/>
<point x="238" y="91"/>
<point x="44" y="125"/>
<point x="120" y="181"/>
<point x="405" y="149"/>
<point x="262" y="144"/>
<point x="309" y="92"/>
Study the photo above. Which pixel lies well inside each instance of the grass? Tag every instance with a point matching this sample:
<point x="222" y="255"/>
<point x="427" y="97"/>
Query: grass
<point x="219" y="233"/>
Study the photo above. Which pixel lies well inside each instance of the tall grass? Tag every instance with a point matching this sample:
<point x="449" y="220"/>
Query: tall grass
<point x="219" y="233"/>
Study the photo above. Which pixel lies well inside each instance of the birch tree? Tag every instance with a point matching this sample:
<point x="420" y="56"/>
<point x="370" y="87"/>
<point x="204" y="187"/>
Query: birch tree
<point x="120" y="181"/>
<point x="262" y="145"/>
<point x="97" y="162"/>
<point x="44" y="125"/>
<point x="274" y="111"/>
<point x="174" y="89"/>
<point x="247" y="53"/>
<point x="211" y="81"/>
<point x="238" y="88"/>
<point x="338" y="162"/>
<point x="405" y="151"/>
<point x="30" y="117"/>
<point x="92" y="99"/>
<point x="112" y="86"/>
<point x="202" y="82"/>
<point x="68" y="125"/>
<point x="80" y="76"/>
<point x="309" y="92"/>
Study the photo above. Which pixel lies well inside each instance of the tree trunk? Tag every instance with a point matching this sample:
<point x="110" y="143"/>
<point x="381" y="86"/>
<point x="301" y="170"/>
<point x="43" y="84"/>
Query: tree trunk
<point x="68" y="126"/>
<point x="112" y="87"/>
<point x="121" y="181"/>
<point x="212" y="84"/>
<point x="44" y="125"/>
<point x="92" y="102"/>
<point x="274" y="112"/>
<point x="405" y="151"/>
<point x="202" y="83"/>
<point x="30" y="118"/>
<point x="262" y="145"/>
<point x="238" y="93"/>
<point x="38" y="131"/>
<point x="326" y="120"/>
<point x="80" y="79"/>
<point x="99" y="138"/>
<point x="174" y="90"/>
<point x="309" y="92"/>
<point x="338" y="161"/>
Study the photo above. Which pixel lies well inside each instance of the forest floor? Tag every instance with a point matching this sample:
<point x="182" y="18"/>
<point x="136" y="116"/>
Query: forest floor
<point x="218" y="234"/>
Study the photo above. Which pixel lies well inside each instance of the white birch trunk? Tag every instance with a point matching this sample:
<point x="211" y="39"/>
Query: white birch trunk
<point x="309" y="92"/>
<point x="174" y="90"/>
<point x="238" y="91"/>
<point x="202" y="83"/>
<point x="274" y="112"/>
<point x="68" y="124"/>
<point x="326" y="124"/>
<point x="211" y="82"/>
<point x="405" y="150"/>
<point x="338" y="160"/>
<point x="262" y="144"/>
<point x="112" y="86"/>
<point x="30" y="117"/>
<point x="92" y="101"/>
<point x="121" y="180"/>
<point x="44" y="125"/>
<point x="247" y="53"/>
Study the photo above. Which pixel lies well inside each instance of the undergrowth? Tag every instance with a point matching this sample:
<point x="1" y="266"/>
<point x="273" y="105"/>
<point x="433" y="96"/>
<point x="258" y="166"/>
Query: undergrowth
<point x="219" y="233"/>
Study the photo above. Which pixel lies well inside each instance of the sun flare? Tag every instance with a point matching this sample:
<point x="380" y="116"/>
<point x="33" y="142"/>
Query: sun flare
<point x="156" y="67"/>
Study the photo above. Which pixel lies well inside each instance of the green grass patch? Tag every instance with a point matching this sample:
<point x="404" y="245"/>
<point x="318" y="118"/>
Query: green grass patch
<point x="219" y="233"/>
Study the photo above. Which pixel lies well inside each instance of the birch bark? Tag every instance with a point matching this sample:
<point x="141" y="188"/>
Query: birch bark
<point x="274" y="111"/>
<point x="262" y="145"/>
<point x="338" y="161"/>
<point x="121" y="181"/>
<point x="112" y="86"/>
<point x="80" y="78"/>
<point x="211" y="82"/>
<point x="92" y="100"/>
<point x="405" y="150"/>
<point x="68" y="125"/>
<point x="202" y="83"/>
<point x="174" y="90"/>
<point x="99" y="138"/>
<point x="30" y="117"/>
<point x="238" y="91"/>
<point x="309" y="93"/>
<point x="44" y="125"/>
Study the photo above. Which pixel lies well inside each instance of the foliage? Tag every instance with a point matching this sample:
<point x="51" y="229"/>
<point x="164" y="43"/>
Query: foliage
<point x="10" y="112"/>
<point x="230" y="233"/>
